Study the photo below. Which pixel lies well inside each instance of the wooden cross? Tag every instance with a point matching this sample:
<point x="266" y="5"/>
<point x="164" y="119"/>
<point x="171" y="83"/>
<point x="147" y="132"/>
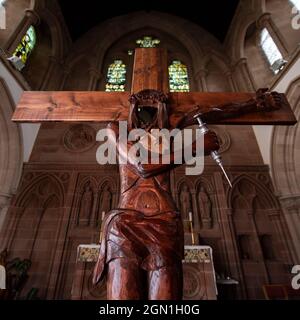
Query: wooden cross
<point x="150" y="72"/>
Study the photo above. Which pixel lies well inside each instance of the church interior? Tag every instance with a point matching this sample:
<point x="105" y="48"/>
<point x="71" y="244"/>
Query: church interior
<point x="54" y="194"/>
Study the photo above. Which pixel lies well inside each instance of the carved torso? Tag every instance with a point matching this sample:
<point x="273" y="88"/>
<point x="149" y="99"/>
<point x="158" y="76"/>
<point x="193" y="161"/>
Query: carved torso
<point x="150" y="196"/>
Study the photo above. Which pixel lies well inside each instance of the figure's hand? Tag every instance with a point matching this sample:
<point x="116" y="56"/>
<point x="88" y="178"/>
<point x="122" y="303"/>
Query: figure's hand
<point x="211" y="143"/>
<point x="268" y="101"/>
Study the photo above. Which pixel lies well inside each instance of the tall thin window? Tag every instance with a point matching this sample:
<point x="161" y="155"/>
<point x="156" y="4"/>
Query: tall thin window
<point x="269" y="47"/>
<point x="178" y="77"/>
<point x="26" y="46"/>
<point x="116" y="76"/>
<point x="295" y="3"/>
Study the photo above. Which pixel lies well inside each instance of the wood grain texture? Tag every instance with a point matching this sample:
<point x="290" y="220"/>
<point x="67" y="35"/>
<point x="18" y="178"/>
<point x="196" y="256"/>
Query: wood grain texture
<point x="150" y="70"/>
<point x="182" y="103"/>
<point x="67" y="106"/>
<point x="46" y="106"/>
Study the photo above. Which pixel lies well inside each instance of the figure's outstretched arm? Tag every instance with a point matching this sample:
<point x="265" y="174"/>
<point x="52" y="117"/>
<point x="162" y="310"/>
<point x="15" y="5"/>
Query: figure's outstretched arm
<point x="211" y="143"/>
<point x="264" y="101"/>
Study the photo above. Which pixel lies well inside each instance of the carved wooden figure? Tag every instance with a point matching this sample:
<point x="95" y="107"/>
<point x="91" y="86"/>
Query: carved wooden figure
<point x="142" y="245"/>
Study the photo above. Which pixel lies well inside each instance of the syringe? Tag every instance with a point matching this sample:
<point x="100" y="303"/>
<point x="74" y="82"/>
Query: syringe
<point x="214" y="154"/>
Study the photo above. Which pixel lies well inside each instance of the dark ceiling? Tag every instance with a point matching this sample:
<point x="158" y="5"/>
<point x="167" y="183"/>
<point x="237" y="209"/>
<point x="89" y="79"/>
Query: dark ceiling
<point x="214" y="16"/>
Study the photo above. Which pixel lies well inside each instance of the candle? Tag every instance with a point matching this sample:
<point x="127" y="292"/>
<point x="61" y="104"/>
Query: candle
<point x="103" y="215"/>
<point x="191" y="216"/>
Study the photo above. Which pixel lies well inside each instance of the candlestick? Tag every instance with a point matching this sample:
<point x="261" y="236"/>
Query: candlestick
<point x="191" y="225"/>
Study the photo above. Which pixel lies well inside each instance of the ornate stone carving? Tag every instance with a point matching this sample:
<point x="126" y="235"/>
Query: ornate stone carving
<point x="79" y="138"/>
<point x="86" y="205"/>
<point x="205" y="207"/>
<point x="185" y="201"/>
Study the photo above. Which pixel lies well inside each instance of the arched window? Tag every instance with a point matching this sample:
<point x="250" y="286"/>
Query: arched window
<point x="116" y="76"/>
<point x="270" y="48"/>
<point x="26" y="46"/>
<point x="178" y="77"/>
<point x="295" y="3"/>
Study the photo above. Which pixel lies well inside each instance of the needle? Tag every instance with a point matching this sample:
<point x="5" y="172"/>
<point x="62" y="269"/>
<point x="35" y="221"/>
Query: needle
<point x="214" y="154"/>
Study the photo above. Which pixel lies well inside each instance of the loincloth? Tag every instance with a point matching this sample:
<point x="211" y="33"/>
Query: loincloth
<point x="152" y="242"/>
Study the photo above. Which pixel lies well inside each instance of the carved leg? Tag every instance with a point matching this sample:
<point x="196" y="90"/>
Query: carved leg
<point x="125" y="280"/>
<point x="166" y="283"/>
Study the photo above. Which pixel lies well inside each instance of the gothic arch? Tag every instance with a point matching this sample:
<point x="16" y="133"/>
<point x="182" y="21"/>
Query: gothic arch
<point x="206" y="183"/>
<point x="192" y="37"/>
<point x="26" y="194"/>
<point x="270" y="200"/>
<point x="285" y="153"/>
<point x="10" y="145"/>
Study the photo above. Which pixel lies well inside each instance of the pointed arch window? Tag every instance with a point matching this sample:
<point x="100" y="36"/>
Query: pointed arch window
<point x="178" y="77"/>
<point x="26" y="46"/>
<point x="295" y="3"/>
<point x="116" y="76"/>
<point x="270" y="48"/>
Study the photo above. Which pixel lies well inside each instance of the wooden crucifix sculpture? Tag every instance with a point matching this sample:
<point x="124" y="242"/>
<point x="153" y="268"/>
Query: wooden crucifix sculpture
<point x="142" y="247"/>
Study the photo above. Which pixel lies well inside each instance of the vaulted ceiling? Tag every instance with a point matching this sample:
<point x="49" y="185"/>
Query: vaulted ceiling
<point x="214" y="16"/>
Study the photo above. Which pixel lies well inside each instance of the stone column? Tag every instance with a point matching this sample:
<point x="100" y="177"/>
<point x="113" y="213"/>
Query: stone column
<point x="231" y="253"/>
<point x="257" y="246"/>
<point x="52" y="65"/>
<point x="283" y="247"/>
<point x="228" y="75"/>
<point x="291" y="208"/>
<point x="30" y="18"/>
<point x="65" y="74"/>
<point x="95" y="77"/>
<point x="242" y="68"/>
<point x="5" y="200"/>
<point x="200" y="78"/>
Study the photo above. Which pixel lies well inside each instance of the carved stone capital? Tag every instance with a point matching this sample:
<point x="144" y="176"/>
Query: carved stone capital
<point x="95" y="73"/>
<point x="290" y="202"/>
<point x="263" y="20"/>
<point x="202" y="73"/>
<point x="32" y="16"/>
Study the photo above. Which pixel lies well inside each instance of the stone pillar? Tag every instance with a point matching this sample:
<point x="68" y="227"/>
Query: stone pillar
<point x="52" y="65"/>
<point x="5" y="200"/>
<point x="65" y="74"/>
<point x="291" y="209"/>
<point x="30" y="18"/>
<point x="283" y="246"/>
<point x="257" y="245"/>
<point x="228" y="75"/>
<point x="231" y="254"/>
<point x="265" y="21"/>
<point x="95" y="77"/>
<point x="200" y="78"/>
<point x="242" y="68"/>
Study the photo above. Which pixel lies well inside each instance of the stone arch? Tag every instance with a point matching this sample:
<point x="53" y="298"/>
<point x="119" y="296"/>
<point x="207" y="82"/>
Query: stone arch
<point x="10" y="145"/>
<point x="285" y="157"/>
<point x="192" y="37"/>
<point x="27" y="194"/>
<point x="285" y="153"/>
<point x="260" y="189"/>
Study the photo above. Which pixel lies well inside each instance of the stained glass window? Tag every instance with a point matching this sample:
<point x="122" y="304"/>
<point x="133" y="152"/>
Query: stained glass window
<point x="116" y="76"/>
<point x="148" y="42"/>
<point x="295" y="3"/>
<point x="178" y="77"/>
<point x="269" y="47"/>
<point x="26" y="45"/>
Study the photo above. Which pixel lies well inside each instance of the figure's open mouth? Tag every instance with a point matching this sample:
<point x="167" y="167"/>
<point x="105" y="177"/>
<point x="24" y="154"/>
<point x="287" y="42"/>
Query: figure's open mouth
<point x="146" y="114"/>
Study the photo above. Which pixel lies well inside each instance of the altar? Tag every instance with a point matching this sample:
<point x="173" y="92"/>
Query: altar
<point x="199" y="280"/>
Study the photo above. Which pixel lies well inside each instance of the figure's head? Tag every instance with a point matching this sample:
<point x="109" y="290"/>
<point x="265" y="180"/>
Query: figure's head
<point x="148" y="110"/>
